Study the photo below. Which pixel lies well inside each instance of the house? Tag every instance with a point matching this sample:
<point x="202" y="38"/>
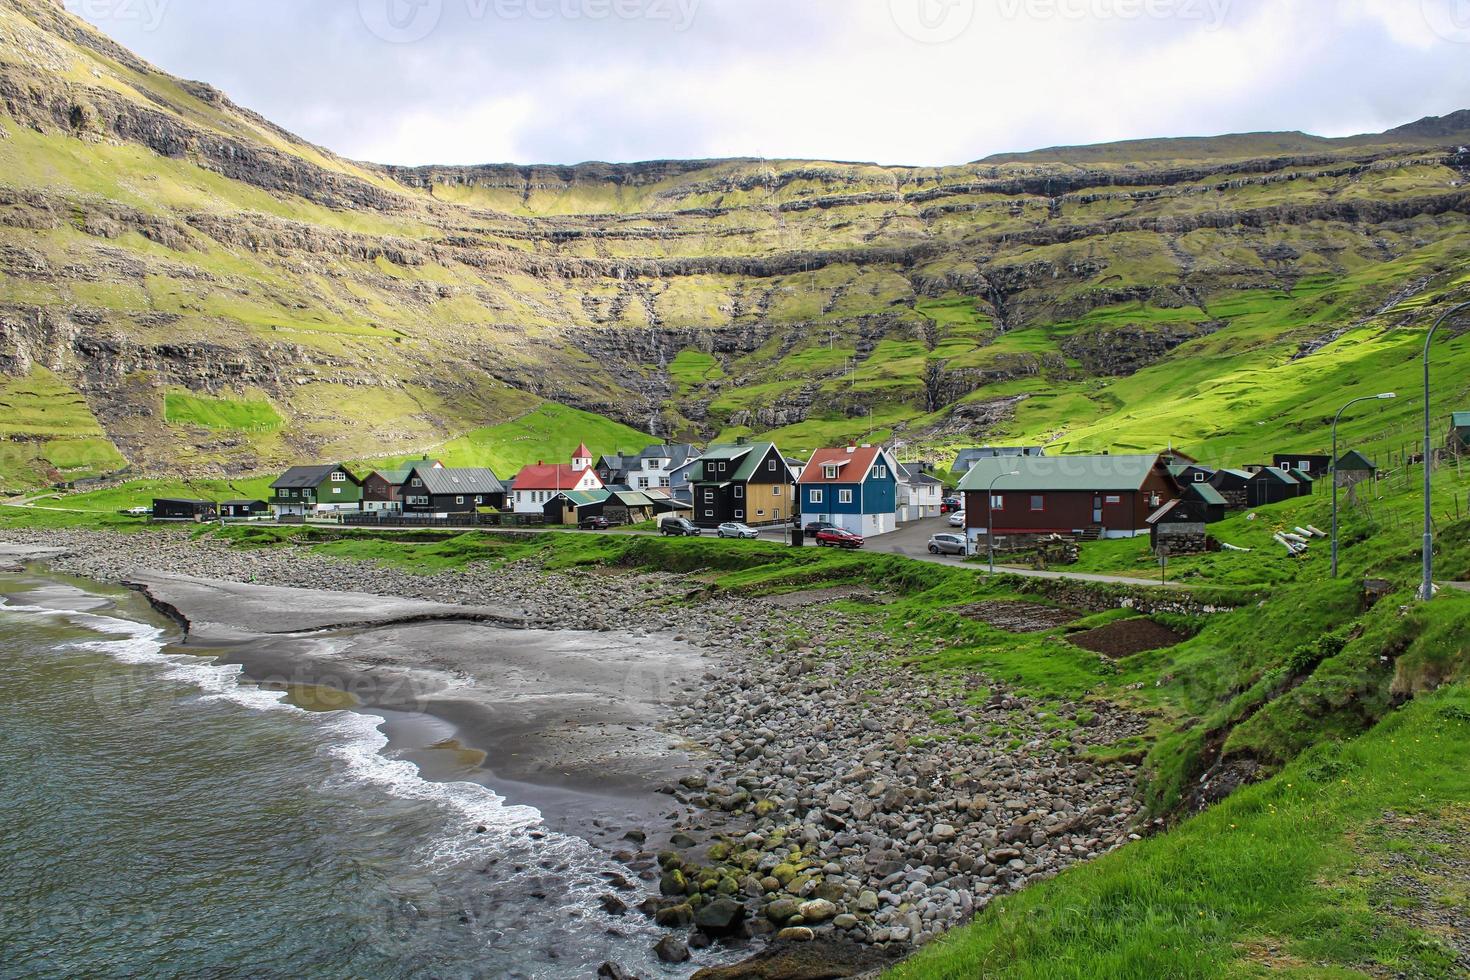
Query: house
<point x="1214" y="504"/>
<point x="575" y="506"/>
<point x="304" y="490"/>
<point x="1187" y="473"/>
<point x="1231" y="485"/>
<point x="681" y="481"/>
<point x="1353" y="468"/>
<point x="1179" y="527"/>
<point x="182" y="509"/>
<point x="969" y="457"/>
<point x="1107" y="496"/>
<point x="442" y="491"/>
<point x="745" y="481"/>
<point x="919" y="494"/>
<point x="653" y="467"/>
<point x="1459" y="437"/>
<point x="537" y="485"/>
<point x="1268" y="485"/>
<point x="613" y="469"/>
<point x="1309" y="463"/>
<point x="380" y="490"/>
<point x="664" y="501"/>
<point x="1306" y="483"/>
<point x="244" y="508"/>
<point x="855" y="487"/>
<point x="626" y="506"/>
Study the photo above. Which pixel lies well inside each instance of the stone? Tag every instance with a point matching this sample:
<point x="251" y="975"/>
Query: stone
<point x="868" y="901"/>
<point x="720" y="917"/>
<point x="845" y="921"/>
<point x="783" y="909"/>
<point x="796" y="934"/>
<point x="818" y="910"/>
<point x="670" y="949"/>
<point x="675" y="916"/>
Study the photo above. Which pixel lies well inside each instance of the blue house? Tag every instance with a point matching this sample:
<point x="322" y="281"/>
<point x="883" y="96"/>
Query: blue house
<point x="855" y="487"/>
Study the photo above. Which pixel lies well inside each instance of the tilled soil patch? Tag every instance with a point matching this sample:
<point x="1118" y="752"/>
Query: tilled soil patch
<point x="1127" y="637"/>
<point x="1019" y="617"/>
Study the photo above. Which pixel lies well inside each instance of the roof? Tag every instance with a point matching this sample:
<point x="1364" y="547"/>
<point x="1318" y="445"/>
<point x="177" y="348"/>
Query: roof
<point x="632" y="498"/>
<point x="1205" y="493"/>
<point x="967" y="458"/>
<point x="749" y="454"/>
<point x="1179" y="469"/>
<point x="181" y="500"/>
<point x="1460" y="420"/>
<point x="677" y="452"/>
<point x="243" y="503"/>
<point x="582" y="452"/>
<point x="548" y="476"/>
<point x="392" y="476"/>
<point x="1159" y="514"/>
<point x="1354" y="460"/>
<point x="458" y="480"/>
<point x="913" y="473"/>
<point x="1080" y="473"/>
<point x="1272" y="473"/>
<point x="307" y="476"/>
<point x="852" y="462"/>
<point x="581" y="498"/>
<point x="1179" y="511"/>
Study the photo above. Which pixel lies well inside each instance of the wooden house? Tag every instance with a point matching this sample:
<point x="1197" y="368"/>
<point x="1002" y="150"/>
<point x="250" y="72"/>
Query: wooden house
<point x="1459" y="437"/>
<point x="1206" y="495"/>
<point x="381" y="489"/>
<point x="575" y="506"/>
<point x="626" y="506"/>
<point x="1191" y="473"/>
<point x="920" y="494"/>
<point x="748" y="482"/>
<point x="1353" y="468"/>
<point x="241" y="509"/>
<point x="450" y="491"/>
<point x="855" y="487"/>
<point x="1312" y="464"/>
<point x="303" y="490"/>
<point x="183" y="509"/>
<point x="1268" y="485"/>
<point x="1232" y="485"/>
<point x="536" y="486"/>
<point x="1090" y="496"/>
<point x="1179" y="527"/>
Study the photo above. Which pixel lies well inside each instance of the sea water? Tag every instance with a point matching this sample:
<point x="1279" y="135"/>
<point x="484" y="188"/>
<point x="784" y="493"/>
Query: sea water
<point x="160" y="816"/>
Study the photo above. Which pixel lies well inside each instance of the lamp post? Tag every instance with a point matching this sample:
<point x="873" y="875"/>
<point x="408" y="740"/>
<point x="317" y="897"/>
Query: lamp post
<point x="1335" y="419"/>
<point x="990" y="516"/>
<point x="1426" y="588"/>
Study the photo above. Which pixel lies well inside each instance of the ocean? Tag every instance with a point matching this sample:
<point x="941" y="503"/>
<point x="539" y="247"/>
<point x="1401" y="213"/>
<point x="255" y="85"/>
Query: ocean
<point x="160" y="816"/>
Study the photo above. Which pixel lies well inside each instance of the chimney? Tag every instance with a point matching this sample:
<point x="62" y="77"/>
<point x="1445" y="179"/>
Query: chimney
<point x="741" y="440"/>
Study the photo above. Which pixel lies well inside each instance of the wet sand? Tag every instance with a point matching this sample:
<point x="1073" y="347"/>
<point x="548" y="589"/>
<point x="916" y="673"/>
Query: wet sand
<point x="565" y="721"/>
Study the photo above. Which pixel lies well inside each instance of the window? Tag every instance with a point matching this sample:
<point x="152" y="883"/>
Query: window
<point x="709" y="496"/>
<point x="816" y="496"/>
<point x="417" y="482"/>
<point x="1306" y="466"/>
<point x="998" y="502"/>
<point x="880" y="472"/>
<point x="1154" y="500"/>
<point x="722" y="467"/>
<point x="336" y="489"/>
<point x="479" y="500"/>
<point x="739" y="492"/>
<point x="771" y="465"/>
<point x="1038" y="502"/>
<point x="1199" y="476"/>
<point x="709" y="513"/>
<point x="740" y="515"/>
<point x="339" y="477"/>
<point x="459" y="500"/>
<point x="1113" y="499"/>
<point x="1286" y="466"/>
<point x="844" y="496"/>
<point x="830" y="471"/>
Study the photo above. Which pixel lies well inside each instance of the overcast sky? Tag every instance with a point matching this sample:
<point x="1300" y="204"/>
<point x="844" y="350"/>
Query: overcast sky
<point x="894" y="81"/>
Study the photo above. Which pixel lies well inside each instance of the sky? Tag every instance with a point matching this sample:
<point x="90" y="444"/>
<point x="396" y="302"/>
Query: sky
<point x="921" y="82"/>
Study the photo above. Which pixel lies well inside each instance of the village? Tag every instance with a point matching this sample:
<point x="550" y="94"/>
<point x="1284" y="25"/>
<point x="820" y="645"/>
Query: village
<point x="1005" y="500"/>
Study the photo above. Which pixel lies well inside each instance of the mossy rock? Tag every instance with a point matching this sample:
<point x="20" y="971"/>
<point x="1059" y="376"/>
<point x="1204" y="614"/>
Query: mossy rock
<point x="784" y="873"/>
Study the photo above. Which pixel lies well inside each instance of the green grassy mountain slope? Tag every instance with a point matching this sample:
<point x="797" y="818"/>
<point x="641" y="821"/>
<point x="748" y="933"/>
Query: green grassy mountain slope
<point x="223" y="297"/>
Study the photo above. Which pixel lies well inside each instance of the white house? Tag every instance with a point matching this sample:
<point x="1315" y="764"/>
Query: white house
<point x="919" y="494"/>
<point x="535" y="486"/>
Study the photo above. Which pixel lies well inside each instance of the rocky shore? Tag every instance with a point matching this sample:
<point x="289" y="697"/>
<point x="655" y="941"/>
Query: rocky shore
<point x="842" y="798"/>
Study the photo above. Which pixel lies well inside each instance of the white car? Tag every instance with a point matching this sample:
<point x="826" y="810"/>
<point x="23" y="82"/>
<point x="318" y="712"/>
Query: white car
<point x="957" y="519"/>
<point x="734" y="529"/>
<point x="948" y="544"/>
<point x="139" y="511"/>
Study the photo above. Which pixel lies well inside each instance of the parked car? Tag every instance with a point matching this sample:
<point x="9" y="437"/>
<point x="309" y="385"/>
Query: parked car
<point x="957" y="519"/>
<point x="679" y="527"/>
<point x="598" y="523"/>
<point x="838" y="537"/>
<point x="948" y="544"/>
<point x="949" y="504"/>
<point x="734" y="529"/>
<point x="816" y="526"/>
<point x="139" y="511"/>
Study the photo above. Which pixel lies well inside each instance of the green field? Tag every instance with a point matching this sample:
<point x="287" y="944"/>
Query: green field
<point x="246" y="415"/>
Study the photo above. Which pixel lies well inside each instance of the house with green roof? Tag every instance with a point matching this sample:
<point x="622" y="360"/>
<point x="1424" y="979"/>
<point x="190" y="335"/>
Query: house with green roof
<point x="1103" y="496"/>
<point x="749" y="482"/>
<point x="575" y="506"/>
<point x="1459" y="440"/>
<point x="381" y="488"/>
<point x="1352" y="468"/>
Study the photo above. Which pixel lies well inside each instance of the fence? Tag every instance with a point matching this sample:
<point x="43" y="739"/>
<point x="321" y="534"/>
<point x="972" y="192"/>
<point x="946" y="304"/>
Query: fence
<point x="389" y="519"/>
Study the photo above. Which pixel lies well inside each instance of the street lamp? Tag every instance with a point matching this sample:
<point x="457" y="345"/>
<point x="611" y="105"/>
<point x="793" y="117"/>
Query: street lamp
<point x="1426" y="588"/>
<point x="990" y="516"/>
<point x="1335" y="419"/>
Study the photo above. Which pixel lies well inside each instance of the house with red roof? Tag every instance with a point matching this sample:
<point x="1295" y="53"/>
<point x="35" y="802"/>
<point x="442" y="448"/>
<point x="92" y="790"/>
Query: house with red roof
<point x="536" y="485"/>
<point x="854" y="487"/>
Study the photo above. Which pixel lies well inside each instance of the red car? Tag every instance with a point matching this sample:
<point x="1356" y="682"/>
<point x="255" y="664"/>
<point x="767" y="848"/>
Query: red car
<point x="837" y="537"/>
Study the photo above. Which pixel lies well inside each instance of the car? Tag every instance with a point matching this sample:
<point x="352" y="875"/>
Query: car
<point x="679" y="527"/>
<point x="598" y="523"/>
<point x="957" y="519"/>
<point x="139" y="511"/>
<point x="734" y="529"/>
<point x="814" y="527"/>
<point x="949" y="504"/>
<point x="838" y="537"/>
<point x="948" y="544"/>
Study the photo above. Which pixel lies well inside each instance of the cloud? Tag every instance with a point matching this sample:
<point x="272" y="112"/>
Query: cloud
<point x="896" y="81"/>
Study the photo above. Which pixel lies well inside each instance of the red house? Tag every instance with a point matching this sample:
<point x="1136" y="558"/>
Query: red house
<point x="1109" y="496"/>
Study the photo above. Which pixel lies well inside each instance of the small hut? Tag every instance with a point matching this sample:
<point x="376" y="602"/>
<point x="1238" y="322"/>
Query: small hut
<point x="1179" y="526"/>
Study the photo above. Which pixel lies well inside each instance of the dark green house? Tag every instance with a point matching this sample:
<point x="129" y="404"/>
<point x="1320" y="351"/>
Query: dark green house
<point x="304" y="490"/>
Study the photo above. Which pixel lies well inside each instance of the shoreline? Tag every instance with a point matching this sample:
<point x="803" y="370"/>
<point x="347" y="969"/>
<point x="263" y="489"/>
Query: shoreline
<point x="820" y="809"/>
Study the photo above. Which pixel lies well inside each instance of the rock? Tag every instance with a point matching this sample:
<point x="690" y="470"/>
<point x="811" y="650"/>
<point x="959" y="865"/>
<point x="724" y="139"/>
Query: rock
<point x="817" y="910"/>
<point x="670" y="949"/>
<point x="868" y="901"/>
<point x="682" y="840"/>
<point x="674" y="916"/>
<point x="611" y="971"/>
<point x="783" y="909"/>
<point x="720" y="917"/>
<point x="796" y="934"/>
<point x="612" y="905"/>
<point x="942" y="832"/>
<point x="673" y="883"/>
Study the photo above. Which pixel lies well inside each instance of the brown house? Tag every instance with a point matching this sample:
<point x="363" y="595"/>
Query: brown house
<point x="1103" y="496"/>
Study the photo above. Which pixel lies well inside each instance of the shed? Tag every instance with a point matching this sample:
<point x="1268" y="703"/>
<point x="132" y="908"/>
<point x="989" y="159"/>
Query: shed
<point x="1179" y="525"/>
<point x="1215" y="506"/>
<point x="1353" y="468"/>
<point x="1271" y="486"/>
<point x="1309" y="463"/>
<point x="628" y="507"/>
<point x="1459" y="439"/>
<point x="183" y="509"/>
<point x="575" y="506"/>
<point x="1232" y="485"/>
<point x="244" y="508"/>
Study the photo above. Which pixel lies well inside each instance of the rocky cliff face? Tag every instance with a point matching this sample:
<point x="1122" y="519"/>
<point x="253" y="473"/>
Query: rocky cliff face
<point x="155" y="236"/>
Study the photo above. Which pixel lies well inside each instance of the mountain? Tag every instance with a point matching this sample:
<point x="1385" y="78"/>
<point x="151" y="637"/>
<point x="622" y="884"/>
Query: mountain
<point x="186" y="287"/>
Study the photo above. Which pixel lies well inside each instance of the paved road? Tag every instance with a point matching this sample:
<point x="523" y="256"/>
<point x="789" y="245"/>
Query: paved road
<point x="1462" y="586"/>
